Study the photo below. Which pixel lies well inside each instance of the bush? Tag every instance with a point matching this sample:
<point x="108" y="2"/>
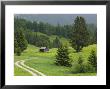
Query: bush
<point x="84" y="68"/>
<point x="88" y="68"/>
<point x="80" y="62"/>
<point x="81" y="67"/>
<point x="78" y="67"/>
<point x="75" y="68"/>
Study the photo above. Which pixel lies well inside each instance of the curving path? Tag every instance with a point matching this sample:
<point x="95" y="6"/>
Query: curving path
<point x="32" y="71"/>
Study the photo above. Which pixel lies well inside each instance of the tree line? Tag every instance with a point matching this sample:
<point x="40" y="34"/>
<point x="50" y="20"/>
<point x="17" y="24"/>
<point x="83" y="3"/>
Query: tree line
<point x="79" y="33"/>
<point x="49" y="29"/>
<point x="42" y="27"/>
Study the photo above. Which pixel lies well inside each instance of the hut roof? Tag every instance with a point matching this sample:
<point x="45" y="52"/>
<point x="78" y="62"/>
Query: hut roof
<point x="43" y="48"/>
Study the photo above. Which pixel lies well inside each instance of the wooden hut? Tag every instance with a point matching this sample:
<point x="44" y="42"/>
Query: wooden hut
<point x="43" y="49"/>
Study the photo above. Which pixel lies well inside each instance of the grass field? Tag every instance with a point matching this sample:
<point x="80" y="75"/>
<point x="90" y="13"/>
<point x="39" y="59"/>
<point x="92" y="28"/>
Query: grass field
<point x="19" y="71"/>
<point x="63" y="40"/>
<point x="44" y="62"/>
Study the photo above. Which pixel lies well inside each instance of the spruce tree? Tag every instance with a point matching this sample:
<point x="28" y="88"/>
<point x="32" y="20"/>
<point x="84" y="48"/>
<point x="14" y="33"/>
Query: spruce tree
<point x="20" y="43"/>
<point x="92" y="59"/>
<point x="18" y="53"/>
<point x="56" y="43"/>
<point x="80" y="35"/>
<point x="62" y="57"/>
<point x="15" y="45"/>
<point x="43" y="41"/>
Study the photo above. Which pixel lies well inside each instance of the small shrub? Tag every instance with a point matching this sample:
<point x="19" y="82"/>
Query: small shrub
<point x="75" y="68"/>
<point x="88" y="68"/>
<point x="81" y="67"/>
<point x="78" y="67"/>
<point x="80" y="62"/>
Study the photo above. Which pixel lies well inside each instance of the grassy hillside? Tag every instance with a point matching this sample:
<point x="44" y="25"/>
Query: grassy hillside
<point x="44" y="62"/>
<point x="52" y="37"/>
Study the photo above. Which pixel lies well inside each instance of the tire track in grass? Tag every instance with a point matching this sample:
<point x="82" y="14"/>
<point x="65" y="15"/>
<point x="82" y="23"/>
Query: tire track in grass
<point x="18" y="65"/>
<point x="31" y="70"/>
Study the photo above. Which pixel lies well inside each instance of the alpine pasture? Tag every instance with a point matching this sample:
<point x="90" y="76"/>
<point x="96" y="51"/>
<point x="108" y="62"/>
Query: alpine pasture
<point x="72" y="48"/>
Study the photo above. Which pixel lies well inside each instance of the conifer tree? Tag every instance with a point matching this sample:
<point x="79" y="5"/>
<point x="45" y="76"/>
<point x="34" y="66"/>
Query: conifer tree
<point x="62" y="57"/>
<point x="80" y="35"/>
<point x="56" y="43"/>
<point x="92" y="60"/>
<point x="20" y="43"/>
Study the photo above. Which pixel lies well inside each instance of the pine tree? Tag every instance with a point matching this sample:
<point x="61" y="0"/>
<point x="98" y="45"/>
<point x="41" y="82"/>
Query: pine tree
<point x="56" y="43"/>
<point x="19" y="41"/>
<point x="92" y="60"/>
<point x="15" y="45"/>
<point x="18" y="51"/>
<point x="43" y="41"/>
<point x="62" y="57"/>
<point x="16" y="48"/>
<point x="95" y="37"/>
<point x="80" y="35"/>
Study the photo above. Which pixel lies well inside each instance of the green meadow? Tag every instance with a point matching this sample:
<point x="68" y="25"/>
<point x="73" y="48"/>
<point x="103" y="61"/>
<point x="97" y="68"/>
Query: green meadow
<point x="45" y="61"/>
<point x="48" y="49"/>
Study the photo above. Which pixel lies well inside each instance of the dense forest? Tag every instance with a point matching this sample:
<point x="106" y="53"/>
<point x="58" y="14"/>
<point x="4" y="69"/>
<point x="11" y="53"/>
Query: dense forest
<point x="37" y="33"/>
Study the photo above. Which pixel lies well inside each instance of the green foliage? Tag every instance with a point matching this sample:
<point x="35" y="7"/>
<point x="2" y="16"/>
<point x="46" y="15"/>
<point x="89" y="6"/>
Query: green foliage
<point x="93" y="33"/>
<point x="81" y="67"/>
<point x="18" y="52"/>
<point x="80" y="35"/>
<point x="56" y="43"/>
<point x="31" y="30"/>
<point x="78" y="66"/>
<point x="94" y="38"/>
<point x="15" y="45"/>
<point x="80" y="60"/>
<point x="62" y="57"/>
<point x="45" y="62"/>
<point x="44" y="34"/>
<point x="20" y="72"/>
<point x="20" y="43"/>
<point x="92" y="59"/>
<point x="39" y="40"/>
<point x="46" y="28"/>
<point x="43" y="41"/>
